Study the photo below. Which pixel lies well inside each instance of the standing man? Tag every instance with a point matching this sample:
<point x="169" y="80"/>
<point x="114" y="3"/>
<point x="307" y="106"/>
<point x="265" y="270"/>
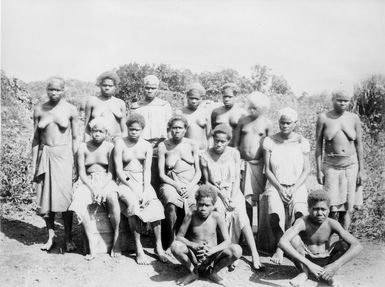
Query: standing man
<point x="156" y="113"/>
<point x="198" y="118"/>
<point x="229" y="113"/>
<point x="339" y="157"/>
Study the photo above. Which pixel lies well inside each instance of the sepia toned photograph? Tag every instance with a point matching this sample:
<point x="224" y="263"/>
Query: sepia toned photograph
<point x="192" y="143"/>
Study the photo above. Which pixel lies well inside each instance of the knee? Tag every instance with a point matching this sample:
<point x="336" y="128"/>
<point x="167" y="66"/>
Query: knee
<point x="170" y="209"/>
<point x="234" y="251"/>
<point x="178" y="248"/>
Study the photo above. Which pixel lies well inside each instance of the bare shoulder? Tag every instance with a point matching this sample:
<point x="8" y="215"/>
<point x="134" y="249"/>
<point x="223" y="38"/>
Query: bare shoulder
<point x="322" y="117"/>
<point x="217" y="110"/>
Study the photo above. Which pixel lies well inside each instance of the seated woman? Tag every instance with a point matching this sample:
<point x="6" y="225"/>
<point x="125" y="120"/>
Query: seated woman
<point x="220" y="169"/>
<point x="132" y="157"/>
<point x="179" y="171"/>
<point x="287" y="167"/>
<point x="96" y="184"/>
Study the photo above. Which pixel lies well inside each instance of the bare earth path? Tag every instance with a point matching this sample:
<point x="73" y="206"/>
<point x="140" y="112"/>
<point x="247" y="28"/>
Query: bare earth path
<point x="23" y="264"/>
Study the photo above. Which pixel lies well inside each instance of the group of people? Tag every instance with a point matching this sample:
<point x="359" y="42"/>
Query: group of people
<point x="200" y="171"/>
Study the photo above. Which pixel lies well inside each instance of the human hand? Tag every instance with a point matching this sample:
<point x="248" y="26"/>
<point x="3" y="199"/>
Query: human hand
<point x="321" y="177"/>
<point x="285" y="197"/>
<point x="359" y="178"/>
<point x="202" y="252"/>
<point x="315" y="269"/>
<point x="329" y="272"/>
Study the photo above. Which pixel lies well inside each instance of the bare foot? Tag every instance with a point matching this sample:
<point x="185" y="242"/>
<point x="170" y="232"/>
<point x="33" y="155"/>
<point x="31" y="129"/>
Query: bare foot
<point x="161" y="254"/>
<point x="70" y="246"/>
<point x="256" y="263"/>
<point x="298" y="280"/>
<point x="277" y="257"/>
<point x="217" y="279"/>
<point x="142" y="259"/>
<point x="90" y="257"/>
<point x="232" y="266"/>
<point x="48" y="245"/>
<point x="334" y="283"/>
<point x="115" y="252"/>
<point x="187" y="279"/>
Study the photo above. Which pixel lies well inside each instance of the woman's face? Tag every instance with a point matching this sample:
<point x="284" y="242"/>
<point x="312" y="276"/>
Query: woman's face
<point x="150" y="91"/>
<point x="108" y="88"/>
<point x="286" y="125"/>
<point x="228" y="98"/>
<point x="55" y="91"/>
<point x="134" y="131"/>
<point x="194" y="99"/>
<point x="341" y="103"/>
<point x="98" y="133"/>
<point x="221" y="141"/>
<point x="178" y="130"/>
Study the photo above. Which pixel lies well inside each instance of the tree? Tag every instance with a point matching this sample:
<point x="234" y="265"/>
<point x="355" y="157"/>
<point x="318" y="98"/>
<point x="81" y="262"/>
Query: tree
<point x="261" y="78"/>
<point x="279" y="85"/>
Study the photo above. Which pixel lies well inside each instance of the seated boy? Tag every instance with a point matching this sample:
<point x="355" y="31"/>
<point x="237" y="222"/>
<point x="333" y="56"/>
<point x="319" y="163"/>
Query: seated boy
<point x="196" y="245"/>
<point x="307" y="242"/>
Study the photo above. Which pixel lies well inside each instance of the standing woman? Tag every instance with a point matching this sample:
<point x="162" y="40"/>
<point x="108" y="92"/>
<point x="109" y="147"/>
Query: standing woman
<point x="106" y="105"/>
<point x="179" y="172"/>
<point x="287" y="167"/>
<point x="55" y="125"/>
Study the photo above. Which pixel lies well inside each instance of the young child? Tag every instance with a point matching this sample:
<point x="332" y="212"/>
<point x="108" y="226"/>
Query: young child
<point x="96" y="184"/>
<point x="196" y="245"/>
<point x="308" y="243"/>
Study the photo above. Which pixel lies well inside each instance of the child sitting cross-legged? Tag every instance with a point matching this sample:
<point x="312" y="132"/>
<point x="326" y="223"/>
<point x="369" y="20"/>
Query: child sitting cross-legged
<point x="307" y="242"/>
<point x="196" y="245"/>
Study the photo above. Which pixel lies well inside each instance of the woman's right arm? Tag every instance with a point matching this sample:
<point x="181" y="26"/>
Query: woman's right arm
<point x="35" y="142"/>
<point x="161" y="166"/>
<point x="118" y="161"/>
<point x="272" y="178"/>
<point x="87" y="118"/>
<point x="82" y="167"/>
<point x="318" y="149"/>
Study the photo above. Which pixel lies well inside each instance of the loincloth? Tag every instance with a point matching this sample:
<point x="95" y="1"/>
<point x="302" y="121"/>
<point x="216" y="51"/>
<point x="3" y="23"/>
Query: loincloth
<point x="340" y="182"/>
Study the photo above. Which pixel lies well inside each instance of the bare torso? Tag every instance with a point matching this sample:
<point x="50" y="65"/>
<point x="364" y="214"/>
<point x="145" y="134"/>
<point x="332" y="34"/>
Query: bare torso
<point x="317" y="237"/>
<point x="251" y="133"/>
<point x="174" y="153"/>
<point x="54" y="123"/>
<point x="339" y="133"/>
<point x="96" y="159"/>
<point x="198" y="124"/>
<point x="134" y="151"/>
<point x="221" y="115"/>
<point x="109" y="108"/>
<point x="201" y="230"/>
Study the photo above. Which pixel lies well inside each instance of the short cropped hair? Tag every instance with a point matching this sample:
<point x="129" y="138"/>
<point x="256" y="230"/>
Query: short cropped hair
<point x="230" y="86"/>
<point x="317" y="195"/>
<point x="136" y="118"/>
<point x="177" y="118"/>
<point x="108" y="75"/>
<point x="100" y="122"/>
<point x="51" y="80"/>
<point x="206" y="190"/>
<point x="195" y="87"/>
<point x="223" y="129"/>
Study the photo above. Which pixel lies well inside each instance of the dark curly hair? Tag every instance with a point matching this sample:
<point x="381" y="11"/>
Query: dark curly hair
<point x="136" y="118"/>
<point x="206" y="191"/>
<point x="108" y="75"/>
<point x="317" y="195"/>
<point x="177" y="118"/>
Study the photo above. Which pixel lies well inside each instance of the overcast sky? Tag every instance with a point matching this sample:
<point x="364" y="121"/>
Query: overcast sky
<point x="315" y="45"/>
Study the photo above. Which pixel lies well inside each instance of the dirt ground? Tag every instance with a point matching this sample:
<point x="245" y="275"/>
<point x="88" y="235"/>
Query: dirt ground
<point x="22" y="263"/>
